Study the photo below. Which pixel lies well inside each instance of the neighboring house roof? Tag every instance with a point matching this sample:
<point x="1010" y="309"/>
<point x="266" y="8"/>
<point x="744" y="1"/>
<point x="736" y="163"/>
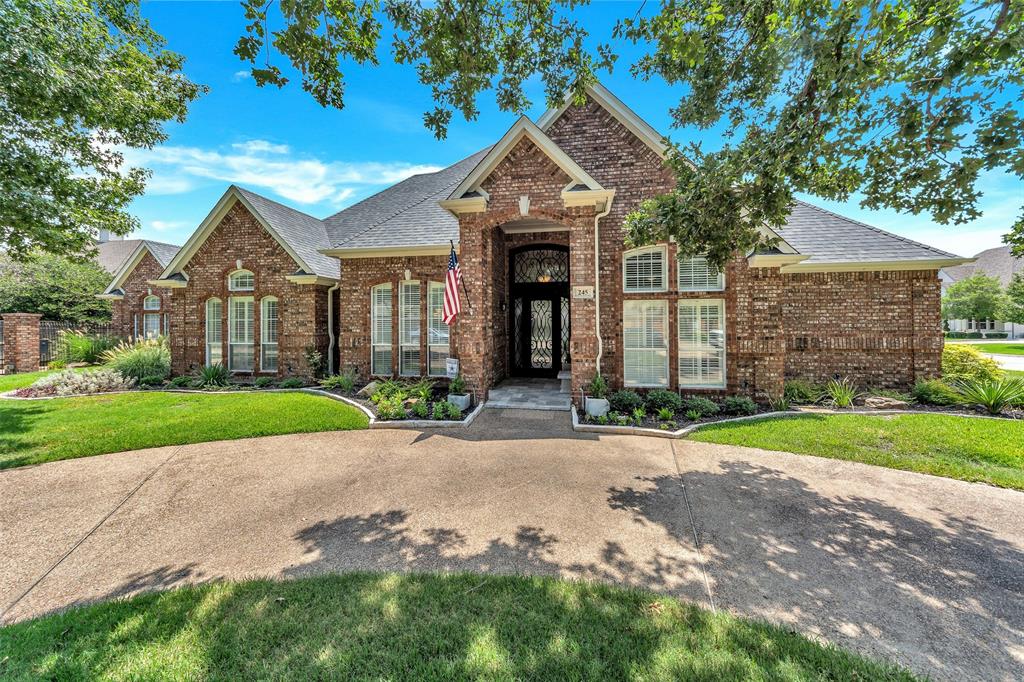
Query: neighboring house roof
<point x="111" y="255"/>
<point x="997" y="262"/>
<point x="162" y="253"/>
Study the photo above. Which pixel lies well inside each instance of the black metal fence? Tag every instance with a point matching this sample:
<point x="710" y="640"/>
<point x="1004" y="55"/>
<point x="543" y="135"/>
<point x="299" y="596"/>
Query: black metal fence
<point x="50" y="331"/>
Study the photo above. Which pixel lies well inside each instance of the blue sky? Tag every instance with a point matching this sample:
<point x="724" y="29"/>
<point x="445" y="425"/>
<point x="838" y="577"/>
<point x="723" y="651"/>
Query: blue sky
<point x="282" y="144"/>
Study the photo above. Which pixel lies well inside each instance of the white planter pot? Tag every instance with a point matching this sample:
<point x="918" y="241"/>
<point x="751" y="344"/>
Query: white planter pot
<point x="597" y="407"/>
<point x="460" y="401"/>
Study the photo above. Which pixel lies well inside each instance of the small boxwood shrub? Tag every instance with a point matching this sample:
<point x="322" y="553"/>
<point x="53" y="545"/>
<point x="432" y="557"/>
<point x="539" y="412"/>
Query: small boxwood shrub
<point x="935" y="392"/>
<point x="182" y="381"/>
<point x="344" y="382"/>
<point x="961" y="362"/>
<point x="263" y="382"/>
<point x="444" y="410"/>
<point x="701" y="406"/>
<point x="390" y="409"/>
<point x="739" y="405"/>
<point x="800" y="392"/>
<point x="292" y="382"/>
<point x="420" y="410"/>
<point x="662" y="399"/>
<point x="152" y="380"/>
<point x="625" y="401"/>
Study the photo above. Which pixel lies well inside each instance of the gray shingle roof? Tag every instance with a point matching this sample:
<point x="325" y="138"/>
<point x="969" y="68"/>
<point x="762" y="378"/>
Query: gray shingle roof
<point x="111" y="255"/>
<point x="995" y="262"/>
<point x="831" y="238"/>
<point x="406" y="214"/>
<point x="305" y="234"/>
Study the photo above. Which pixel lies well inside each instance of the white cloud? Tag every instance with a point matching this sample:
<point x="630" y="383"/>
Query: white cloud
<point x="240" y="75"/>
<point x="167" y="225"/>
<point x="267" y="166"/>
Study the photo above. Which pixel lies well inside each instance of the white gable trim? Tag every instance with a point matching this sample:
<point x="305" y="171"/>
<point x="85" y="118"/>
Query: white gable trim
<point x="524" y="128"/>
<point x="616" y="108"/>
<point x="210" y="223"/>
<point x="127" y="267"/>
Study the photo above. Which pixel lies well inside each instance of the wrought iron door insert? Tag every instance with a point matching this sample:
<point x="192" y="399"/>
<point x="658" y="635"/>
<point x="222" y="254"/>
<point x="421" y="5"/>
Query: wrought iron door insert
<point x="539" y="310"/>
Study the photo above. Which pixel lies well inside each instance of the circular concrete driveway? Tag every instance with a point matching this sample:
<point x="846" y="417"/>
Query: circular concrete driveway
<point x="924" y="570"/>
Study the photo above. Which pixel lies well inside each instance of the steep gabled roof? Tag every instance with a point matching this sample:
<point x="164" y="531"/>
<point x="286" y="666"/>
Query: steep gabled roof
<point x="113" y="254"/>
<point x="997" y="262"/>
<point x="834" y="240"/>
<point x="162" y="253"/>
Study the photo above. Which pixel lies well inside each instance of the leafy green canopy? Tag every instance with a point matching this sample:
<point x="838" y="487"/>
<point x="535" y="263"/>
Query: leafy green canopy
<point x="78" y="80"/>
<point x="58" y="288"/>
<point x="1013" y="307"/>
<point x="906" y="102"/>
<point x="978" y="297"/>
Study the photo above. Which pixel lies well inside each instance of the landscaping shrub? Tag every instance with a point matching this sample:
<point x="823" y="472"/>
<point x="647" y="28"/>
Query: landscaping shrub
<point x="935" y="392"/>
<point x="183" y="381"/>
<point x="74" y="346"/>
<point x="292" y="382"/>
<point x="661" y="399"/>
<point x="701" y="406"/>
<point x="387" y="389"/>
<point x="151" y="380"/>
<point x="314" y="360"/>
<point x="390" y="408"/>
<point x="422" y="389"/>
<point x="214" y="375"/>
<point x="420" y="409"/>
<point x="344" y="382"/>
<point x="638" y="415"/>
<point x="841" y="392"/>
<point x="598" y="387"/>
<point x="444" y="410"/>
<point x="961" y="362"/>
<point x="263" y="382"/>
<point x="778" y="403"/>
<point x="56" y="364"/>
<point x="992" y="394"/>
<point x="693" y="415"/>
<point x="800" y="392"/>
<point x="69" y="382"/>
<point x="141" y="358"/>
<point x="457" y="386"/>
<point x="665" y="414"/>
<point x="739" y="405"/>
<point x="625" y="401"/>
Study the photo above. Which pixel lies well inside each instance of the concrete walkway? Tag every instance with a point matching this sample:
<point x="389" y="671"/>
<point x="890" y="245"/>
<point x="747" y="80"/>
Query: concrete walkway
<point x="924" y="570"/>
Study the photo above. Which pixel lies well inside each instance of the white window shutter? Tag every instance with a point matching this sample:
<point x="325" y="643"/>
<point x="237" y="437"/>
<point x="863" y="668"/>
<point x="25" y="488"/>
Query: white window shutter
<point x="409" y="329"/>
<point x="697" y="274"/>
<point x="643" y="270"/>
<point x="645" y="343"/>
<point x="701" y="343"/>
<point x="380" y="329"/>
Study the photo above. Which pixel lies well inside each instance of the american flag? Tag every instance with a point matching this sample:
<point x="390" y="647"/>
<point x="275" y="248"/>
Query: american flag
<point x="452" y="306"/>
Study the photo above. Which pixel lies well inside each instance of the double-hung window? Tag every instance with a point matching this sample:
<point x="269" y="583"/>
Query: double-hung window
<point x="645" y="270"/>
<point x="645" y="343"/>
<point x="409" y="329"/>
<point x="151" y="325"/>
<point x="268" y="334"/>
<point x="214" y="331"/>
<point x="695" y="273"/>
<point x="437" y="331"/>
<point x="240" y="333"/>
<point x="380" y="330"/>
<point x="702" y="343"/>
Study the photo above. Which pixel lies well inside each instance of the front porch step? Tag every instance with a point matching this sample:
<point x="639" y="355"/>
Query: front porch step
<point x="565" y="376"/>
<point x="528" y="394"/>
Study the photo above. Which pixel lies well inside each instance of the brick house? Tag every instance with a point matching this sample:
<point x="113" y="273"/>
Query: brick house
<point x="138" y="308"/>
<point x="537" y="222"/>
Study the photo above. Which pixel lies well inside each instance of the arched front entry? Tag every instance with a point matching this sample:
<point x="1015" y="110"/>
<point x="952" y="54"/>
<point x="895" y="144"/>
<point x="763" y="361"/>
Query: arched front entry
<point x="538" y="310"/>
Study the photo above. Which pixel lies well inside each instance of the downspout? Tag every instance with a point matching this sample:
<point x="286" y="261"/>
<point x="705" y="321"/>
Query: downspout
<point x="330" y="327"/>
<point x="597" y="279"/>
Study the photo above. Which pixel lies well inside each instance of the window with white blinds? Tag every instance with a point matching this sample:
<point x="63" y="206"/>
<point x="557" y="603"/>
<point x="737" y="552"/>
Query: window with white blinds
<point x="151" y="325"/>
<point x="437" y="331"/>
<point x="380" y="330"/>
<point x="214" y="331"/>
<point x="409" y="321"/>
<point x="240" y="333"/>
<point x="702" y="343"/>
<point x="645" y="270"/>
<point x="645" y="343"/>
<point x="697" y="274"/>
<point x="268" y="334"/>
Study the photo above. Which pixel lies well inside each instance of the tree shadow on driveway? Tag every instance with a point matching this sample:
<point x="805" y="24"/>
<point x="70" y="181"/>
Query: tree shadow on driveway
<point x="942" y="594"/>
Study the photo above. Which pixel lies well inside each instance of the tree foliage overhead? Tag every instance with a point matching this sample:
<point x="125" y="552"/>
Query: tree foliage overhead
<point x="78" y="79"/>
<point x="56" y="287"/>
<point x="978" y="297"/>
<point x="1013" y="307"/>
<point x="906" y="101"/>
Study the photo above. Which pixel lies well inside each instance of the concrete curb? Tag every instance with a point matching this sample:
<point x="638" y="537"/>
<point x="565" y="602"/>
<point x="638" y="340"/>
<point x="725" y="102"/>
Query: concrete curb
<point x="799" y="412"/>
<point x="419" y="424"/>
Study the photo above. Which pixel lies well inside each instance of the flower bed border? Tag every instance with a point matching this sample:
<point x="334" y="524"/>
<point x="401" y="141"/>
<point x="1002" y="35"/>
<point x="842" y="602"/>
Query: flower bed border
<point x="610" y="429"/>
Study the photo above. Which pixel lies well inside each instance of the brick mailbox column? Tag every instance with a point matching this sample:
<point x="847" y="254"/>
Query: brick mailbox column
<point x="21" y="341"/>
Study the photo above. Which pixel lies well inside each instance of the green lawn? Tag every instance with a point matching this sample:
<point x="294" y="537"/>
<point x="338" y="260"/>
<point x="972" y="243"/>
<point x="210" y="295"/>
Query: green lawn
<point x="1001" y="348"/>
<point x="985" y="450"/>
<point x="415" y="627"/>
<point x="32" y="432"/>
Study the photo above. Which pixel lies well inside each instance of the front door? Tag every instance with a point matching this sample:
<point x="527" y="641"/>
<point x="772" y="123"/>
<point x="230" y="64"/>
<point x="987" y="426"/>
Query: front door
<point x="539" y="311"/>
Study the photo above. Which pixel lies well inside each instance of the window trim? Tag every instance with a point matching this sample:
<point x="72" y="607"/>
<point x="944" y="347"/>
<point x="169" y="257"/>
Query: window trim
<point x="658" y="248"/>
<point x="218" y="327"/>
<point x="252" y="329"/>
<point x="374" y="316"/>
<point x="146" y="317"/>
<point x="663" y="303"/>
<point x="264" y="333"/>
<point x="679" y="278"/>
<point x="147" y="299"/>
<point x="416" y="327"/>
<point x="680" y="348"/>
<point x="241" y="271"/>
<point x="431" y="288"/>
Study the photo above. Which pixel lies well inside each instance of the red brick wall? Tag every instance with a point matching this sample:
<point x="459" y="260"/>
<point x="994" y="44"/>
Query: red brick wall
<point x="302" y="308"/>
<point x="878" y="328"/>
<point x="136" y="288"/>
<point x="21" y="341"/>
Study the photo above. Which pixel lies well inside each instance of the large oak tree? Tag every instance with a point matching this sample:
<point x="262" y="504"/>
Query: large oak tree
<point x="906" y="102"/>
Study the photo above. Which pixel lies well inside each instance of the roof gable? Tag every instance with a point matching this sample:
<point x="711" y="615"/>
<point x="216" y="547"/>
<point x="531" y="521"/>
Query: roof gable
<point x="162" y="253"/>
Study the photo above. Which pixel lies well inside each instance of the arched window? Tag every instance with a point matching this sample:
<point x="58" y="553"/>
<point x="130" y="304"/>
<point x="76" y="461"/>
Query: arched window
<point x="380" y="330"/>
<point x="151" y="303"/>
<point x="214" y="333"/>
<point x="241" y="280"/>
<point x="645" y="269"/>
<point x="268" y="334"/>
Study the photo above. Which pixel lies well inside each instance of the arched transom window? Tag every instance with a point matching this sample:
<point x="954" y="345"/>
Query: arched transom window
<point x="241" y="280"/>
